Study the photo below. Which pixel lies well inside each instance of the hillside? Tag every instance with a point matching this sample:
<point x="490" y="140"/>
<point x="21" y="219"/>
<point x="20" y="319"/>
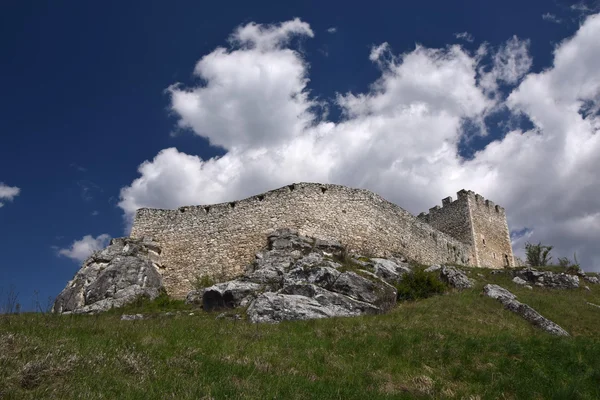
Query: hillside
<point x="456" y="345"/>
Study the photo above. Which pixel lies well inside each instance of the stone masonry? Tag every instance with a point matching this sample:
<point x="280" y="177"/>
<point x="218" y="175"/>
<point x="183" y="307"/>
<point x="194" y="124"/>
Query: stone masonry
<point x="220" y="240"/>
<point x="478" y="222"/>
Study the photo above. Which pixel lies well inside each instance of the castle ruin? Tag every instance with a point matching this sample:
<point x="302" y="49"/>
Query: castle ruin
<point x="221" y="239"/>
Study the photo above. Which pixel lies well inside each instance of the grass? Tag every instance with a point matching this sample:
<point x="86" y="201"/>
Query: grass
<point x="451" y="346"/>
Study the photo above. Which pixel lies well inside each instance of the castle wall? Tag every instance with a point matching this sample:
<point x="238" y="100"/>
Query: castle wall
<point x="223" y="238"/>
<point x="491" y="235"/>
<point x="452" y="218"/>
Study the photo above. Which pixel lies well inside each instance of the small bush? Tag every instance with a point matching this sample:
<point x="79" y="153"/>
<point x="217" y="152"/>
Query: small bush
<point x="419" y="285"/>
<point x="538" y="255"/>
<point x="203" y="281"/>
<point x="570" y="267"/>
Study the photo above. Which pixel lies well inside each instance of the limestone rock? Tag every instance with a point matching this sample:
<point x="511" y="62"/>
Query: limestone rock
<point x="519" y="281"/>
<point x="388" y="270"/>
<point x="455" y="278"/>
<point x="297" y="278"/>
<point x="433" y="268"/>
<point x="113" y="277"/>
<point x="510" y="302"/>
<point x="548" y="279"/>
<point x="229" y="295"/>
<point x="131" y="317"/>
<point x="591" y="279"/>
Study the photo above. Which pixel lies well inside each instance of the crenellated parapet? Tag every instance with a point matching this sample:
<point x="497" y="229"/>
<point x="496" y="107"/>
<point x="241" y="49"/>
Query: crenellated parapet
<point x="477" y="221"/>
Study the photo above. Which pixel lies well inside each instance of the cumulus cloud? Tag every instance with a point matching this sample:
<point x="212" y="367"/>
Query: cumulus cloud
<point x="466" y="36"/>
<point x="83" y="248"/>
<point x="333" y="29"/>
<point x="401" y="138"/>
<point x="8" y="193"/>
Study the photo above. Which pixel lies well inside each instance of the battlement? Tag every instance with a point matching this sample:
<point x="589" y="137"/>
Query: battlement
<point x="474" y="220"/>
<point x="463" y="195"/>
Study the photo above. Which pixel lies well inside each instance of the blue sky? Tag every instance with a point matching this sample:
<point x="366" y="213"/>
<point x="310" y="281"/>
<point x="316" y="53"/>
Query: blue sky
<point x="412" y="100"/>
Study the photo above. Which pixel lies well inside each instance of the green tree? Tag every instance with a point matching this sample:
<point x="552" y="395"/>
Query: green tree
<point x="538" y="255"/>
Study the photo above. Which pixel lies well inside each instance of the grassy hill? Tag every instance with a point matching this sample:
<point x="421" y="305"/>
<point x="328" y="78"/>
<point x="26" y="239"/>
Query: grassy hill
<point x="451" y="346"/>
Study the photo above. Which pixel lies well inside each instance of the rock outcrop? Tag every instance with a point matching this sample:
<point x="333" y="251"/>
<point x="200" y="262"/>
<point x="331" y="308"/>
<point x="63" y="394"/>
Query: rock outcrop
<point x="298" y="277"/>
<point x="454" y="277"/>
<point x="510" y="302"/>
<point x="548" y="279"/>
<point x="119" y="274"/>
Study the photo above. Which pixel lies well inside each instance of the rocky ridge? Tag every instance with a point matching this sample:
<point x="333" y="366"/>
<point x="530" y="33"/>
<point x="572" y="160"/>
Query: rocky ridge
<point x="116" y="276"/>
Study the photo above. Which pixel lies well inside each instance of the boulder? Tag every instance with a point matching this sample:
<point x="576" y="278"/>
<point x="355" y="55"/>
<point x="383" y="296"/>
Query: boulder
<point x="548" y="279"/>
<point x="510" y="302"/>
<point x="388" y="270"/>
<point x="591" y="279"/>
<point x="276" y="307"/>
<point x="230" y="294"/>
<point x="124" y="271"/>
<point x="455" y="278"/>
<point x="519" y="281"/>
<point x="433" y="268"/>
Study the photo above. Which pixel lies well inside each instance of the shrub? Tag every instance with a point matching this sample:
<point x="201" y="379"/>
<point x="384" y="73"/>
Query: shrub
<point x="419" y="285"/>
<point x="538" y="255"/>
<point x="203" y="281"/>
<point x="570" y="267"/>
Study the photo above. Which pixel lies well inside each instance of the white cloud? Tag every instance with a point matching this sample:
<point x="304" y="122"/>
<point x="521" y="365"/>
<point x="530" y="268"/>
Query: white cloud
<point x="83" y="248"/>
<point x="509" y="64"/>
<point x="8" y="193"/>
<point x="551" y="18"/>
<point x="333" y="29"/>
<point x="400" y="138"/>
<point x="466" y="36"/>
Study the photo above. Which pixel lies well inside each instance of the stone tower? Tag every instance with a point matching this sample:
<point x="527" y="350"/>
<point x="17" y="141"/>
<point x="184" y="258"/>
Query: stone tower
<point x="478" y="222"/>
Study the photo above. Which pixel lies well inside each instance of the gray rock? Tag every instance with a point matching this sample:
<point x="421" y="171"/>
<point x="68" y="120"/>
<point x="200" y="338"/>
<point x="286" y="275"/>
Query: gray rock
<point x="548" y="279"/>
<point x="289" y="239"/>
<point x="591" y="279"/>
<point x="519" y="281"/>
<point x="587" y="288"/>
<point x="498" y="292"/>
<point x="116" y="276"/>
<point x="229" y="295"/>
<point x="338" y="304"/>
<point x="510" y="302"/>
<point x="363" y="289"/>
<point x="324" y="276"/>
<point x="433" y="268"/>
<point x="131" y="317"/>
<point x="528" y="287"/>
<point x="297" y="278"/>
<point x="455" y="278"/>
<point x="276" y="307"/>
<point x="388" y="270"/>
<point x="194" y="297"/>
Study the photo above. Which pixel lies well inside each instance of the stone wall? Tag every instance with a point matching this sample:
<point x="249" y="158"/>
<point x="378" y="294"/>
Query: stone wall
<point x="476" y="222"/>
<point x="222" y="239"/>
<point x="490" y="231"/>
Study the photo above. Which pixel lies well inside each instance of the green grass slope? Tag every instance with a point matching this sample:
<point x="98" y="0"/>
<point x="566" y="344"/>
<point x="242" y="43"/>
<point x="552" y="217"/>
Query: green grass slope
<point x="451" y="346"/>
